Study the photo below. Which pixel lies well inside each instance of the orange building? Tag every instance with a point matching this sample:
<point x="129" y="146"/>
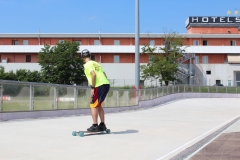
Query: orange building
<point x="214" y="41"/>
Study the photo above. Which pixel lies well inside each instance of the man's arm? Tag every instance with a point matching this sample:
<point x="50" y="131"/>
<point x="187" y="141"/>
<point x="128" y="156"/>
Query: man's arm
<point x="93" y="78"/>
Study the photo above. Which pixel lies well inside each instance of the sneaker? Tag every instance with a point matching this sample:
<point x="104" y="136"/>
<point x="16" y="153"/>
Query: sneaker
<point x="93" y="129"/>
<point x="102" y="127"/>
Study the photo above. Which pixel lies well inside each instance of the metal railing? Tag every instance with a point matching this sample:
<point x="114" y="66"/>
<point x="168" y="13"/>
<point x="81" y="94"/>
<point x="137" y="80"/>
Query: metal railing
<point x="18" y="96"/>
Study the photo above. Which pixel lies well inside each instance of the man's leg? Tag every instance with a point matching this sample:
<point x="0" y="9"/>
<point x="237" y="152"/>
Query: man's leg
<point x="101" y="113"/>
<point x="95" y="113"/>
<point x="102" y="125"/>
<point x="103" y="90"/>
<point x="94" y="127"/>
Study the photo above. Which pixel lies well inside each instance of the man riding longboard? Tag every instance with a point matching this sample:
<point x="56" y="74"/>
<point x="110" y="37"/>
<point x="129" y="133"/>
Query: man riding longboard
<point x="99" y="88"/>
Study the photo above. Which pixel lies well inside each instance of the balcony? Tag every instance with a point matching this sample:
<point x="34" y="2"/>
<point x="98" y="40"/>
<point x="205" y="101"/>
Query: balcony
<point x="122" y="49"/>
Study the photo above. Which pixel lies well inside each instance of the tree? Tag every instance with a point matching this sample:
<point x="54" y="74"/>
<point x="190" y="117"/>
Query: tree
<point x="20" y="75"/>
<point x="28" y="76"/>
<point x="163" y="60"/>
<point x="61" y="64"/>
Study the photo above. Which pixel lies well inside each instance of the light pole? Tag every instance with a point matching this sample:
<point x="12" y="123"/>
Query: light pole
<point x="137" y="65"/>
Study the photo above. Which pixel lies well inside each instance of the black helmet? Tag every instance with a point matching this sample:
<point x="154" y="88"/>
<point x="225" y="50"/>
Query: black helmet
<point x="85" y="53"/>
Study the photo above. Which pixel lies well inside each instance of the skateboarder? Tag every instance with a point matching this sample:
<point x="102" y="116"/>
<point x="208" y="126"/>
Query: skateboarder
<point x="99" y="89"/>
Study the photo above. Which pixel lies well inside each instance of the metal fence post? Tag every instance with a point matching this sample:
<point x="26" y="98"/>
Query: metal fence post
<point x="31" y="107"/>
<point x="128" y="98"/>
<point x="75" y="97"/>
<point x="118" y="98"/>
<point x="1" y="98"/>
<point x="144" y="94"/>
<point x="55" y="97"/>
<point x="151" y="93"/>
<point x="106" y="101"/>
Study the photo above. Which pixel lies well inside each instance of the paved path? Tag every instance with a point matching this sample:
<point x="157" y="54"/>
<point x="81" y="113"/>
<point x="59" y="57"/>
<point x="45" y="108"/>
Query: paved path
<point x="226" y="146"/>
<point x="156" y="133"/>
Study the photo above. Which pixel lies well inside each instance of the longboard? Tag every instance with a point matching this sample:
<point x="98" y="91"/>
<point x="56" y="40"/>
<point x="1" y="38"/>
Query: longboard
<point x="83" y="133"/>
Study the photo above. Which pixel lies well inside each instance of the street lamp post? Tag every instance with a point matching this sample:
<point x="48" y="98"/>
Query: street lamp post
<point x="137" y="65"/>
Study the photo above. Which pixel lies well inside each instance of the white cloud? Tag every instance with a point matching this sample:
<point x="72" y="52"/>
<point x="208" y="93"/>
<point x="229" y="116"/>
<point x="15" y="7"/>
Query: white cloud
<point x="92" y="18"/>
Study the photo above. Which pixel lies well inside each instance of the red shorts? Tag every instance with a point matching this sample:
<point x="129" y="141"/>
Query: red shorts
<point x="99" y="95"/>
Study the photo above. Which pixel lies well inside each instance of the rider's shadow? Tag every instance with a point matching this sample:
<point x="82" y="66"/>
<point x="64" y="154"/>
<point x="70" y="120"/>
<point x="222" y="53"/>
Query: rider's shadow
<point x="129" y="131"/>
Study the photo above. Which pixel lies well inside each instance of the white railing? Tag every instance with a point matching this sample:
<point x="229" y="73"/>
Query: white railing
<point x="122" y="49"/>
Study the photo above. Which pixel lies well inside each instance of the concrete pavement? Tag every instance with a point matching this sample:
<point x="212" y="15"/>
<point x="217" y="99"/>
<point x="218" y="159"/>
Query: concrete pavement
<point x="156" y="133"/>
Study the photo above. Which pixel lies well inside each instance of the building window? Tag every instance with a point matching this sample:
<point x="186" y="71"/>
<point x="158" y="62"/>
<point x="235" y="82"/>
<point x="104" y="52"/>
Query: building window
<point x="232" y="43"/>
<point x="80" y="42"/>
<point x="93" y="57"/>
<point x="15" y="42"/>
<point x="218" y="81"/>
<point x="150" y="59"/>
<point x="25" y="42"/>
<point x="208" y="72"/>
<point x="205" y="43"/>
<point x="237" y="74"/>
<point x="152" y="43"/>
<point x="195" y="42"/>
<point x="60" y="41"/>
<point x="115" y="59"/>
<point x="28" y="58"/>
<point x="96" y="42"/>
<point x="229" y="83"/>
<point x="196" y="60"/>
<point x="205" y="59"/>
<point x="116" y="42"/>
<point x="225" y="60"/>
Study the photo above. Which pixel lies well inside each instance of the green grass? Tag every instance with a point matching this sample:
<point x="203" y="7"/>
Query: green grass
<point x="42" y="103"/>
<point x="231" y="90"/>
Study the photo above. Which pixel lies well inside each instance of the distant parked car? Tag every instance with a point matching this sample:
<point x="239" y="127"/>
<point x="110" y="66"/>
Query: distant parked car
<point x="218" y="84"/>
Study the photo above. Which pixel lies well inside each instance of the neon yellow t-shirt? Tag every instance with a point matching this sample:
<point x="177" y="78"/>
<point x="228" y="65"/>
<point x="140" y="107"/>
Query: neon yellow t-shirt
<point x="97" y="68"/>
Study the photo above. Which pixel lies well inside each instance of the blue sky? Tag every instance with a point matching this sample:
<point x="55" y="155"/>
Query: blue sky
<point x="109" y="16"/>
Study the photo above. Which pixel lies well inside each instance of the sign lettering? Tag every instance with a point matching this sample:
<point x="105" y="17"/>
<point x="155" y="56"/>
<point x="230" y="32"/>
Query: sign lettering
<point x="214" y="19"/>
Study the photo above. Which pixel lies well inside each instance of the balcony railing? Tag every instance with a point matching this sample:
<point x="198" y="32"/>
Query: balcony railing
<point x="122" y="49"/>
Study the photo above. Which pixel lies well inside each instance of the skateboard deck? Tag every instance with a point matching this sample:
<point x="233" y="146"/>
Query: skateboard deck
<point x="87" y="133"/>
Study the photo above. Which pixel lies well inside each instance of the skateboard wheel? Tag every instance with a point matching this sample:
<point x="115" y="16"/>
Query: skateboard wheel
<point x="108" y="131"/>
<point x="81" y="134"/>
<point x="74" y="133"/>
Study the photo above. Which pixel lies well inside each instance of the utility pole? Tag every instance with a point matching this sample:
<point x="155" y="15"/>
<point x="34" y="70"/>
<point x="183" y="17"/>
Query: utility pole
<point x="137" y="64"/>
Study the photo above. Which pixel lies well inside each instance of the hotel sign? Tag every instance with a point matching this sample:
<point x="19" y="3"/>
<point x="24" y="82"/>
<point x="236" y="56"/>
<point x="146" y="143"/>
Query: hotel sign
<point x="213" y="20"/>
